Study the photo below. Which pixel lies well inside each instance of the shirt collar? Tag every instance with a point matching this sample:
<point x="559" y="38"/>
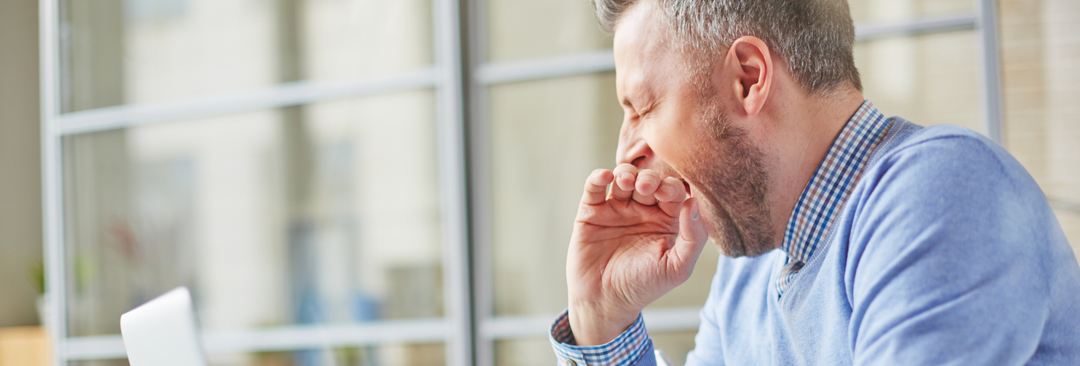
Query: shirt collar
<point x="831" y="184"/>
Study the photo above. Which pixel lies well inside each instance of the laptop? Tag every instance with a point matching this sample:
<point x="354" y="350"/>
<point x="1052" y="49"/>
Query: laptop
<point x="163" y="332"/>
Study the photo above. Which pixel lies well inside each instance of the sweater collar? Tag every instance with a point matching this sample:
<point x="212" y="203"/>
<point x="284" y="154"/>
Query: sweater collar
<point x="833" y="181"/>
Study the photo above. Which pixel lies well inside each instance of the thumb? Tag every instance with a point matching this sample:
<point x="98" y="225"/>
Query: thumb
<point x="692" y="233"/>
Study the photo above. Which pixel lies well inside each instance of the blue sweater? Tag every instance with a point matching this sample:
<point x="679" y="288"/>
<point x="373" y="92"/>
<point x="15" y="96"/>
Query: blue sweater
<point x="946" y="253"/>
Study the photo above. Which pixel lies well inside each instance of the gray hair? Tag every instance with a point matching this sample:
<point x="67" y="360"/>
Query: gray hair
<point x="814" y="37"/>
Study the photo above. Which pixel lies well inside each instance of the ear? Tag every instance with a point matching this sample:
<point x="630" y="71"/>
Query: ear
<point x="749" y="61"/>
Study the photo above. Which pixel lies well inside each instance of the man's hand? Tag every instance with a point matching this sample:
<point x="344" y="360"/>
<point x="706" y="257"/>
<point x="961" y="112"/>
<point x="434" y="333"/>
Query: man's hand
<point x="629" y="247"/>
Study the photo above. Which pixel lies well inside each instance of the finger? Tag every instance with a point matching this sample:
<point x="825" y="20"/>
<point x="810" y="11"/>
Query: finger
<point x="645" y="186"/>
<point x="671" y="195"/>
<point x="625" y="175"/>
<point x="645" y="199"/>
<point x="596" y="187"/>
<point x="692" y="237"/>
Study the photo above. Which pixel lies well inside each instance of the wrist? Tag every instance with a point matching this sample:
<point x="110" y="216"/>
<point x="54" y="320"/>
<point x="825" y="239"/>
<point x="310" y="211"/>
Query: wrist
<point x="594" y="325"/>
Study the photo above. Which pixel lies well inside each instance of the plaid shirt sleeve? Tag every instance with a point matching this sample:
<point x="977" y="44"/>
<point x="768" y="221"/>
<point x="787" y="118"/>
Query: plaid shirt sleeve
<point x="632" y="347"/>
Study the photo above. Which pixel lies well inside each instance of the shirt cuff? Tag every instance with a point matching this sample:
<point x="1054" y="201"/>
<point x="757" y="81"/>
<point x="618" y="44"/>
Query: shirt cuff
<point x="632" y="347"/>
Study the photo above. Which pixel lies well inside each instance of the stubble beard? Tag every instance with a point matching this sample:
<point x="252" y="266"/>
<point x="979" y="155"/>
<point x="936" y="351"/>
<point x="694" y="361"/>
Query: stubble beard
<point x="730" y="175"/>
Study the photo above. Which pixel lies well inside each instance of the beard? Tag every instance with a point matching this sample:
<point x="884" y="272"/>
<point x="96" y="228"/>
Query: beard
<point x="729" y="173"/>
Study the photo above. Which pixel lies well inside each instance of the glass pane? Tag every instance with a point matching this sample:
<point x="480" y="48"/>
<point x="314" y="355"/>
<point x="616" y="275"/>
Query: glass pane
<point x="533" y="351"/>
<point x="132" y="51"/>
<point x="675" y="344"/>
<point x="537" y="351"/>
<point x="523" y="29"/>
<point x="1040" y="50"/>
<point x="431" y="354"/>
<point x="359" y="38"/>
<point x="929" y="80"/>
<point x="868" y="11"/>
<point x="125" y="51"/>
<point x="325" y="213"/>
<point x="383" y="355"/>
<point x="547" y="136"/>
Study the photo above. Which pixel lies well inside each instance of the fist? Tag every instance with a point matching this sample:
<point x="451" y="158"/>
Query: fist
<point x="631" y="244"/>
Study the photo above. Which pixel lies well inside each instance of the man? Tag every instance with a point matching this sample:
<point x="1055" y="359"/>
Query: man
<point x="851" y="238"/>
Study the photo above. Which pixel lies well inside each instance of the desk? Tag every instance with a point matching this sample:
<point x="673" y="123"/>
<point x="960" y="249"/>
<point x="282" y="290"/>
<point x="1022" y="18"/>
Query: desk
<point x="24" y="346"/>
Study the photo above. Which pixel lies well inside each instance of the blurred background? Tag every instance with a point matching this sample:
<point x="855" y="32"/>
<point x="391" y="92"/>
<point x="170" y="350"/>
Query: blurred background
<point x="362" y="182"/>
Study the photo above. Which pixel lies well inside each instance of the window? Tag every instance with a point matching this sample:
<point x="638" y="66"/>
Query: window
<point x="1040" y="47"/>
<point x="360" y="182"/>
<point x="284" y="159"/>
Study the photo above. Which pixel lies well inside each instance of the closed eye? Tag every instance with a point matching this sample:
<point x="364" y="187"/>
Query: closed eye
<point x="646" y="110"/>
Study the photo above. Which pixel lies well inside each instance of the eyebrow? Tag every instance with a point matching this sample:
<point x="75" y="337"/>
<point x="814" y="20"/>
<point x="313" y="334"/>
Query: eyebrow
<point x="641" y="109"/>
<point x="648" y="98"/>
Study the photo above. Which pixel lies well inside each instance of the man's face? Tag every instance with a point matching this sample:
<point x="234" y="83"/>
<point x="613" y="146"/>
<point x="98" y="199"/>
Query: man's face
<point x="680" y="128"/>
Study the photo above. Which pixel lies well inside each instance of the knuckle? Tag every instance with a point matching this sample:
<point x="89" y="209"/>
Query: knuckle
<point x="647" y="176"/>
<point x="644" y="199"/>
<point x="646" y="183"/>
<point x="669" y="192"/>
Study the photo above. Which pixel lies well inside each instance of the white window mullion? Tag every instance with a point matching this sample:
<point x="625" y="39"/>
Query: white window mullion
<point x="450" y="111"/>
<point x="51" y="179"/>
<point x="991" y="69"/>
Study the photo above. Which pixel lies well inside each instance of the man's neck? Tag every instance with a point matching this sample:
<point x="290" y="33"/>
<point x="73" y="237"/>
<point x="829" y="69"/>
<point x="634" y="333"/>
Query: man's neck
<point x="811" y="126"/>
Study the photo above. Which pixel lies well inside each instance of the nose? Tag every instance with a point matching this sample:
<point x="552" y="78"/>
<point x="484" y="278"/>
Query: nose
<point x="632" y="148"/>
